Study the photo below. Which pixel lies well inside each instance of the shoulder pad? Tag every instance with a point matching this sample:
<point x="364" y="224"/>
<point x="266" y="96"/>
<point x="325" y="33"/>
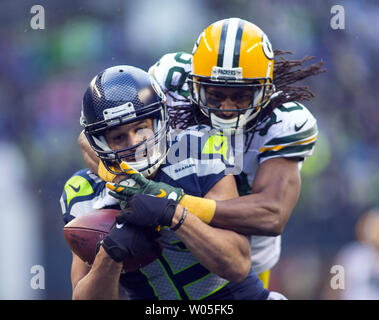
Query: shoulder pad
<point x="171" y="73"/>
<point x="81" y="190"/>
<point x="294" y="133"/>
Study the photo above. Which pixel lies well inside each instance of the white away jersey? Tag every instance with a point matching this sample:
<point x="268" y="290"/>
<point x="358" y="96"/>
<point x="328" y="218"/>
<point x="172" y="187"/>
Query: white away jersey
<point x="291" y="131"/>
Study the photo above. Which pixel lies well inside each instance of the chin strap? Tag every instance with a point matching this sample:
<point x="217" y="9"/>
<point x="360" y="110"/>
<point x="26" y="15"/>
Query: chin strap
<point x="104" y="174"/>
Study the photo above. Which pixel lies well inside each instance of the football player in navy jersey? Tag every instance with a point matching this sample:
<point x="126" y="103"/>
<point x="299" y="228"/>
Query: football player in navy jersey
<point x="233" y="83"/>
<point x="126" y="122"/>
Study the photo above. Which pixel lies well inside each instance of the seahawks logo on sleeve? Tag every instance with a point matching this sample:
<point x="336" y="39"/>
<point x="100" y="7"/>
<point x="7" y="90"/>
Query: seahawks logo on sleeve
<point x="293" y="135"/>
<point x="80" y="192"/>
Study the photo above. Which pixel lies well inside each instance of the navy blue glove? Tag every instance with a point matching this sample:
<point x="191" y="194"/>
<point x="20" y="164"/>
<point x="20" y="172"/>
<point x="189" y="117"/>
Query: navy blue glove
<point x="125" y="241"/>
<point x="148" y="211"/>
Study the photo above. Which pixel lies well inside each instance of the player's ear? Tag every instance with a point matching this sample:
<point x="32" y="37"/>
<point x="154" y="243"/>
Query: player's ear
<point x="89" y="156"/>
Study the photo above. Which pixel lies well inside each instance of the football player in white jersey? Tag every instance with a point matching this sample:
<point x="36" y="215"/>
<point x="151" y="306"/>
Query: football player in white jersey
<point x="232" y="83"/>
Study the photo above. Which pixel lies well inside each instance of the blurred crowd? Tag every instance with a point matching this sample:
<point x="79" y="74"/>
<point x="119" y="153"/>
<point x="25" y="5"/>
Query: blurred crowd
<point x="44" y="74"/>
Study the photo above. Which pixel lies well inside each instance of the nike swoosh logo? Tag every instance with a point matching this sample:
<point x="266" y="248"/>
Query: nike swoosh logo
<point x="172" y="196"/>
<point x="75" y="189"/>
<point x="297" y="128"/>
<point x="119" y="226"/>
<point x="162" y="194"/>
<point x="218" y="148"/>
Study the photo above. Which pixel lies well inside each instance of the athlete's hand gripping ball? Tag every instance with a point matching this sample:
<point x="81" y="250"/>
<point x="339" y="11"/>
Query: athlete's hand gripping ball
<point x="148" y="211"/>
<point x="126" y="241"/>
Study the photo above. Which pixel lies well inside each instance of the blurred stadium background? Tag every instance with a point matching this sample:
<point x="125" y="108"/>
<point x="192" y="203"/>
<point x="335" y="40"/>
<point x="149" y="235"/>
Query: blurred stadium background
<point x="44" y="74"/>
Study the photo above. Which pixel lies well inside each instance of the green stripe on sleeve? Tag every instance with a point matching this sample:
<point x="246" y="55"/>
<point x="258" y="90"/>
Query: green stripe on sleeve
<point x="293" y="137"/>
<point x="287" y="151"/>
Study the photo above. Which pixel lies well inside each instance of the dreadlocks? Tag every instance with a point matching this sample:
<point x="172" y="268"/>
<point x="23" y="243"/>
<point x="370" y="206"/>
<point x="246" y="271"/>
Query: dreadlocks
<point x="286" y="73"/>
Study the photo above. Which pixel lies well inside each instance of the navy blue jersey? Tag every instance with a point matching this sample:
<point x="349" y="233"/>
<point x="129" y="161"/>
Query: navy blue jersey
<point x="176" y="274"/>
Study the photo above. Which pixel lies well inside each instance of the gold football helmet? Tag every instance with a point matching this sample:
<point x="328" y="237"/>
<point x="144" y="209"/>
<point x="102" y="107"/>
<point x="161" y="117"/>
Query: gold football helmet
<point x="232" y="53"/>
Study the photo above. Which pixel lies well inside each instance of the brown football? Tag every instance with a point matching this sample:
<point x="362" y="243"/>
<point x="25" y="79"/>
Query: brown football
<point x="84" y="232"/>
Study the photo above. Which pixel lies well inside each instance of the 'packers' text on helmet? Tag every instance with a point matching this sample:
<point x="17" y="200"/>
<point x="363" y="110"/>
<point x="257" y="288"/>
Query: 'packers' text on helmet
<point x="232" y="53"/>
<point x="123" y="95"/>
